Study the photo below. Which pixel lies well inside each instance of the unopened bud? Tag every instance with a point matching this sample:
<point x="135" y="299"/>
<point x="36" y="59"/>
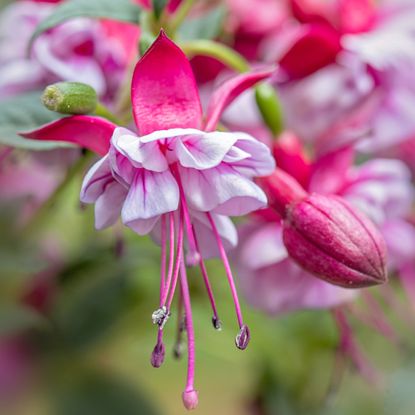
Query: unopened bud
<point x="157" y="357"/>
<point x="70" y="98"/>
<point x="281" y="190"/>
<point x="242" y="338"/>
<point x="190" y="399"/>
<point x="329" y="238"/>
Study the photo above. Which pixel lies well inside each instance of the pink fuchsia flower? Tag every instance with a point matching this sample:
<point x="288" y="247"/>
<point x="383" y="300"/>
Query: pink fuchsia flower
<point x="177" y="178"/>
<point x="90" y="55"/>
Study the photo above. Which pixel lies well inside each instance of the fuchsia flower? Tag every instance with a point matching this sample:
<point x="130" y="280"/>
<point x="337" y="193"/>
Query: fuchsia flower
<point x="176" y="179"/>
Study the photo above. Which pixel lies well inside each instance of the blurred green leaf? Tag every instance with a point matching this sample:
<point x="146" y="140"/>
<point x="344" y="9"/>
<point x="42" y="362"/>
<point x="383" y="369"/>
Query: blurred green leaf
<point x="25" y="112"/>
<point x="15" y="318"/>
<point x="100" y="393"/>
<point x="206" y="26"/>
<point x="123" y="10"/>
<point x="158" y="7"/>
<point x="91" y="300"/>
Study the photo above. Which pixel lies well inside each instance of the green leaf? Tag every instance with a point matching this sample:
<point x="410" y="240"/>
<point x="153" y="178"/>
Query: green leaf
<point x="15" y="319"/>
<point x="22" y="113"/>
<point x="207" y="26"/>
<point x="123" y="10"/>
<point x="96" y="392"/>
<point x="158" y="7"/>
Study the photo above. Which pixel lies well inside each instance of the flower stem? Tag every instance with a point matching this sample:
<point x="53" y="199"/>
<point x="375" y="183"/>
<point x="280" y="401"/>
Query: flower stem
<point x="218" y="51"/>
<point x="180" y="15"/>
<point x="102" y="111"/>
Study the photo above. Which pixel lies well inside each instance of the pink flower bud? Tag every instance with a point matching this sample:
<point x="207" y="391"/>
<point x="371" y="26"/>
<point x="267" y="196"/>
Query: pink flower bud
<point x="330" y="239"/>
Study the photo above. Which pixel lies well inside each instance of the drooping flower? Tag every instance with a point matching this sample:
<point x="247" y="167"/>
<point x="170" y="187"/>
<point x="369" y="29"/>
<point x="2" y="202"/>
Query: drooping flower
<point x="177" y="179"/>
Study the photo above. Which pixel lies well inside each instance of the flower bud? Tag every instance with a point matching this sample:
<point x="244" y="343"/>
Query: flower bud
<point x="330" y="239"/>
<point x="70" y="98"/>
<point x="281" y="190"/>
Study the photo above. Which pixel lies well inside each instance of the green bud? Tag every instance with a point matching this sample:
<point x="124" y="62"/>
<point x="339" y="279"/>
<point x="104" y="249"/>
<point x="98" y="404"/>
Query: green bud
<point x="270" y="108"/>
<point x="70" y="98"/>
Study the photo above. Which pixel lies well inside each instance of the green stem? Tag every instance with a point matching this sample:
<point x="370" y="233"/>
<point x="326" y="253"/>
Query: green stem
<point x="102" y="111"/>
<point x="44" y="211"/>
<point x="218" y="51"/>
<point x="180" y="15"/>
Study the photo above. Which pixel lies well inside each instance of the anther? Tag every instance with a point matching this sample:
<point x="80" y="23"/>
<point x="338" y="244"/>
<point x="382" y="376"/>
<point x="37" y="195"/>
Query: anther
<point x="217" y="324"/>
<point x="242" y="338"/>
<point x="160" y="316"/>
<point x="157" y="357"/>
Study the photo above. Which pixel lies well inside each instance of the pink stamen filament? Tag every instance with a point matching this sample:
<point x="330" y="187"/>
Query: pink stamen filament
<point x="190" y="236"/>
<point x="189" y="329"/>
<point x="228" y="270"/>
<point x="163" y="257"/>
<point x="206" y="280"/>
<point x="165" y="289"/>
<point x="179" y="256"/>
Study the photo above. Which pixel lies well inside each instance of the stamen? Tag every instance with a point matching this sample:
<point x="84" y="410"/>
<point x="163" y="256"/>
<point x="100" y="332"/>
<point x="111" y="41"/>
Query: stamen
<point x="189" y="396"/>
<point x="179" y="256"/>
<point x="217" y="324"/>
<point x="165" y="290"/>
<point x="160" y="316"/>
<point x="163" y="257"/>
<point x="243" y="337"/>
<point x="227" y="270"/>
<point x="157" y="357"/>
<point x="178" y="346"/>
<point x="193" y="256"/>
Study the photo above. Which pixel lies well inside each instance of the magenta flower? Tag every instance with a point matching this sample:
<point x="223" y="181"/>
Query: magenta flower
<point x="176" y="178"/>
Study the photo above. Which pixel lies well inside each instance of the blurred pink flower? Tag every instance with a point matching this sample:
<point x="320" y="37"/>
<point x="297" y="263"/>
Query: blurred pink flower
<point x="90" y="55"/>
<point x="381" y="188"/>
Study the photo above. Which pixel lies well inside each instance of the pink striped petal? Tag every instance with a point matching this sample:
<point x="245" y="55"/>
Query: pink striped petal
<point x="230" y="90"/>
<point x="163" y="91"/>
<point x="93" y="133"/>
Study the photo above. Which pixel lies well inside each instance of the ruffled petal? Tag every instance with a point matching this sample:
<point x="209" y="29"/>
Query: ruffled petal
<point x="221" y="190"/>
<point x="260" y="161"/>
<point x="96" y="180"/>
<point x="164" y="92"/>
<point x="139" y="153"/>
<point x="205" y="150"/>
<point x="108" y="205"/>
<point x="151" y="194"/>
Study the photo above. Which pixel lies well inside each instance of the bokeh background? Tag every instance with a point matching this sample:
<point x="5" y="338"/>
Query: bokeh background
<point x="76" y="332"/>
